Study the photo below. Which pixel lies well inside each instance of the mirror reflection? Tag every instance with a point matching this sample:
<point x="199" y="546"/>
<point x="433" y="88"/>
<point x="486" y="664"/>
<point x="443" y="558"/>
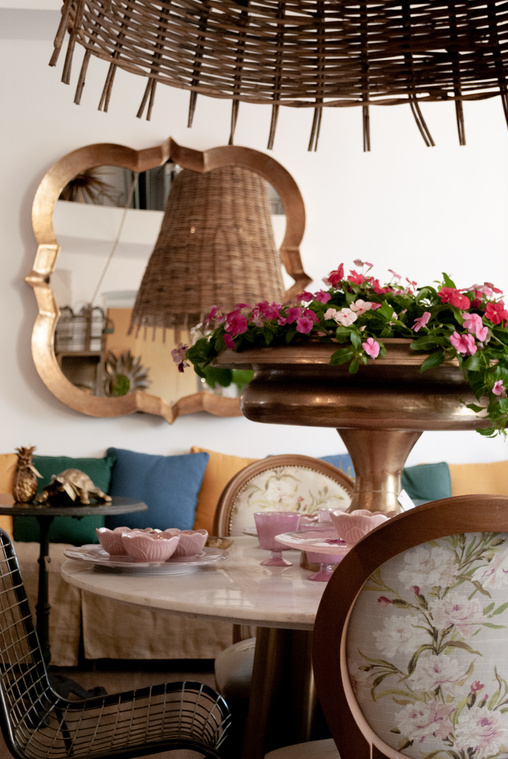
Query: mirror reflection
<point x="107" y="220"/>
<point x="97" y="215"/>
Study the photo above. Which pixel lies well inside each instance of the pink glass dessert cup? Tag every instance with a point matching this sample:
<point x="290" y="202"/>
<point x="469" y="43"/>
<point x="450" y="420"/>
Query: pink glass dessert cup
<point x="272" y="523"/>
<point x="351" y="527"/>
<point x="191" y="541"/>
<point x="111" y="540"/>
<point x="150" y="547"/>
<point x="327" y="563"/>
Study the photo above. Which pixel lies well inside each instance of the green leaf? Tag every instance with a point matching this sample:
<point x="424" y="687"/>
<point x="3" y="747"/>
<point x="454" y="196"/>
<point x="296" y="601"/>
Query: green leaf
<point x="433" y="360"/>
<point x="341" y="356"/>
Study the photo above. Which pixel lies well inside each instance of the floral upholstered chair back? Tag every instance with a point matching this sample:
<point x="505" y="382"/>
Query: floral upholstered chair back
<point x="427" y="649"/>
<point x="282" y="483"/>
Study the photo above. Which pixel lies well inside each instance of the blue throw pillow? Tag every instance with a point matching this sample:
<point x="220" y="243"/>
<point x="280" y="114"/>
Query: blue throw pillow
<point x="169" y="485"/>
<point x="422" y="483"/>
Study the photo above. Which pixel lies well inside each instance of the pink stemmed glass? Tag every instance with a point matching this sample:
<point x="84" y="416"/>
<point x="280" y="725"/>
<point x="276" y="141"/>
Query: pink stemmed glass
<point x="268" y="525"/>
<point x="327" y="563"/>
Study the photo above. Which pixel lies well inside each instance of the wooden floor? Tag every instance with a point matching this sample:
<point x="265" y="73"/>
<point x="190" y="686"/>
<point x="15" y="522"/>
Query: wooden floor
<point x="117" y="676"/>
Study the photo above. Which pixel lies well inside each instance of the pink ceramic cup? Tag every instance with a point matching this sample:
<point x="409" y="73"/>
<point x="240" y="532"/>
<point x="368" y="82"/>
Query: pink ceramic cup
<point x="272" y="523"/>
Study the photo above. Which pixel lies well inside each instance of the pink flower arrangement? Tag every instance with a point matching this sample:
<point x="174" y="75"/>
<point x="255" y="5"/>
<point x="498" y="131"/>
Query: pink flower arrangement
<point x="357" y="313"/>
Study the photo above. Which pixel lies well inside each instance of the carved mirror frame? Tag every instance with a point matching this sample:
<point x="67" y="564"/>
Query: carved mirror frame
<point x="111" y="154"/>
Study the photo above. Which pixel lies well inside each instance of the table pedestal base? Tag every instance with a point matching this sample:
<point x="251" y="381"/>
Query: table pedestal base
<point x="283" y="707"/>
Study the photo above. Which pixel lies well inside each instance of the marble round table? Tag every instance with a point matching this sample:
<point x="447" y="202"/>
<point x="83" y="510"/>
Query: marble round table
<point x="281" y="602"/>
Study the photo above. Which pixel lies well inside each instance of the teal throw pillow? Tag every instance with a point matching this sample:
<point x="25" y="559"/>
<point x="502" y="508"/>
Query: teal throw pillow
<point x="74" y="530"/>
<point x="422" y="483"/>
<point x="169" y="485"/>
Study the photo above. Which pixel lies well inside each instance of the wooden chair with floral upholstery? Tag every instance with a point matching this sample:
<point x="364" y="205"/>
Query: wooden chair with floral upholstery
<point x="410" y="642"/>
<point x="289" y="482"/>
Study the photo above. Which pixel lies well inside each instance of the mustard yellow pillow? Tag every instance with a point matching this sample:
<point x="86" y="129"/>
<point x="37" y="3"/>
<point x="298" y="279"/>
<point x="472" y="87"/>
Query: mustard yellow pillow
<point x="7" y="468"/>
<point x="490" y="478"/>
<point x="219" y="470"/>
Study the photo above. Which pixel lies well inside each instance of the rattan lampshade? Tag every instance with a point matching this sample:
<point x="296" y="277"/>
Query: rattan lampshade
<point x="215" y="247"/>
<point x="301" y="53"/>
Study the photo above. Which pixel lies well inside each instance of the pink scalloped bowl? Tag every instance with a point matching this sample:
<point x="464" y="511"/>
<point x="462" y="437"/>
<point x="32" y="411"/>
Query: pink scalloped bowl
<point x="191" y="541"/>
<point x="111" y="540"/>
<point x="351" y="527"/>
<point x="152" y="546"/>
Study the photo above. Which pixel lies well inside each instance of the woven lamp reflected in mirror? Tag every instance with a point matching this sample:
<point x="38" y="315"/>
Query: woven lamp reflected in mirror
<point x="299" y="53"/>
<point x="216" y="247"/>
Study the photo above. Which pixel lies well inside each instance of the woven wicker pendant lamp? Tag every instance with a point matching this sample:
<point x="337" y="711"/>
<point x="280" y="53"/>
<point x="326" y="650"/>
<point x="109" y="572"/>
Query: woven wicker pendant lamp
<point x="215" y="247"/>
<point x="301" y="53"/>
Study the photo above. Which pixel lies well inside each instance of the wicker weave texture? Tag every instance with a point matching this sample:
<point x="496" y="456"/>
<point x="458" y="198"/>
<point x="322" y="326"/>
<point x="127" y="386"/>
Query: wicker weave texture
<point x="215" y="247"/>
<point x="304" y="52"/>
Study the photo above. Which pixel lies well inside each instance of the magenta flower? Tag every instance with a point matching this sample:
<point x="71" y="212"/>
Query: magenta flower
<point x="236" y="323"/>
<point x="476" y="686"/>
<point x="422" y="321"/>
<point x="397" y="276"/>
<point x="306" y="321"/>
<point x="473" y="323"/>
<point x="263" y="312"/>
<point x="322" y="296"/>
<point x="229" y="342"/>
<point x="371" y="347"/>
<point x="499" y="388"/>
<point x="179" y="357"/>
<point x="464" y="343"/>
<point x="294" y="313"/>
<point x="355" y="278"/>
<point x="384" y="601"/>
<point x="306" y="296"/>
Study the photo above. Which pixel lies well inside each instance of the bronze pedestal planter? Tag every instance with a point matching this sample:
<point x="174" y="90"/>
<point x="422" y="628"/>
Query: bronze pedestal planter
<point x="380" y="412"/>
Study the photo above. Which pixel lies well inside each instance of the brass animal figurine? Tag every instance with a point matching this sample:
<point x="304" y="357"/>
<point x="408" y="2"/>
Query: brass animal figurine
<point x="72" y="484"/>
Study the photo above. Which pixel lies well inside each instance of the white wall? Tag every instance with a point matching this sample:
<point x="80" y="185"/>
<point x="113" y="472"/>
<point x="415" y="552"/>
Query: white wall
<point x="417" y="210"/>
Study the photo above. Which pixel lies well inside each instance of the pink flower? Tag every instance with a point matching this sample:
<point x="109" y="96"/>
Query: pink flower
<point x="421" y="321"/>
<point x="236" y="323"/>
<point x="454" y="297"/>
<point x="179" y="357"/>
<point x="306" y="296"/>
<point x="229" y="342"/>
<point x="463" y="343"/>
<point x="496" y="312"/>
<point x="384" y="601"/>
<point x="361" y="306"/>
<point x="473" y="323"/>
<point x="371" y="347"/>
<point x="499" y="388"/>
<point x="357" y="262"/>
<point x="346" y="317"/>
<point x="477" y="686"/>
<point x="395" y="274"/>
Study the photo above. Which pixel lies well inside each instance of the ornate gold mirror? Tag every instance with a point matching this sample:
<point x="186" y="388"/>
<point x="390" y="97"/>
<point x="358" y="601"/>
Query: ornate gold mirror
<point x="82" y="349"/>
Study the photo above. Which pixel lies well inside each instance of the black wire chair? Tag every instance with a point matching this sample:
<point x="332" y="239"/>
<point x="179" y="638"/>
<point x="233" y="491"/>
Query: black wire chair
<point x="39" y="723"/>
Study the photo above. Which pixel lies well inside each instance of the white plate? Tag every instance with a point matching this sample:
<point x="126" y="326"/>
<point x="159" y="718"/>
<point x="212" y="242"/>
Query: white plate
<point x="97" y="556"/>
<point x="250" y="531"/>
<point x="315" y="539"/>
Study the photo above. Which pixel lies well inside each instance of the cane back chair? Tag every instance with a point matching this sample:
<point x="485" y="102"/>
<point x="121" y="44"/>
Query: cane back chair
<point x="410" y="641"/>
<point x="38" y="723"/>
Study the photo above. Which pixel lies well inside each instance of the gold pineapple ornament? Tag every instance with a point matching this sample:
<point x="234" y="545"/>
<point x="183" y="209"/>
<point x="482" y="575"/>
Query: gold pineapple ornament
<point x="24" y="484"/>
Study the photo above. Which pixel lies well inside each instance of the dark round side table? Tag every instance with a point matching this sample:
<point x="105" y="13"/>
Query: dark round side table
<point x="45" y="515"/>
